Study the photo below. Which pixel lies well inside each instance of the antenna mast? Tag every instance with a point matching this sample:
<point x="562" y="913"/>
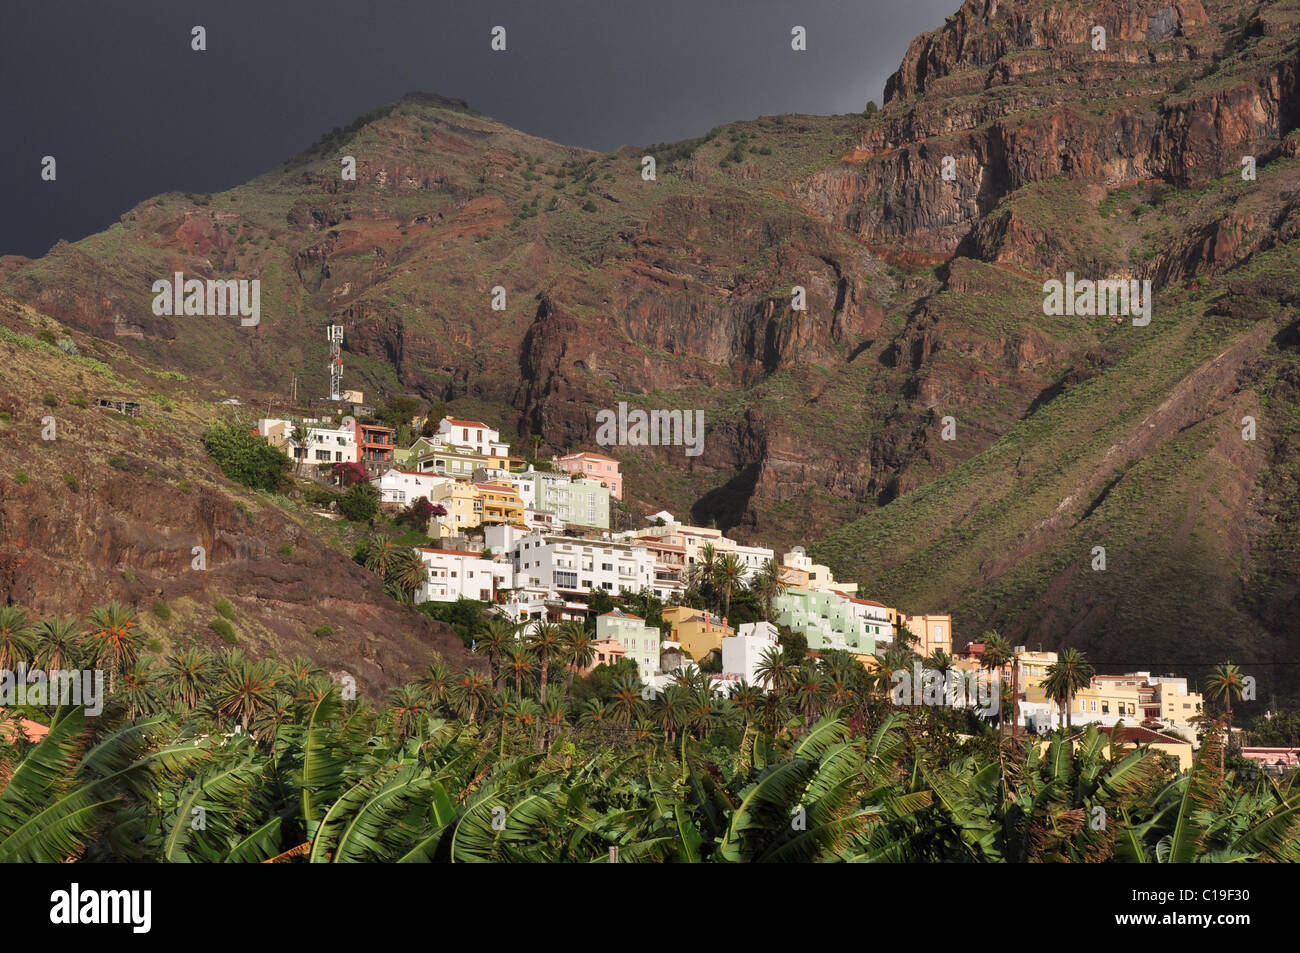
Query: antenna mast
<point x="335" y="334"/>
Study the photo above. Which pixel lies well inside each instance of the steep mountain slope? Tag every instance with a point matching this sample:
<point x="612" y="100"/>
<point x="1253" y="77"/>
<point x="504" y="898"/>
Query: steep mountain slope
<point x="112" y="507"/>
<point x="925" y="301"/>
<point x="1126" y="163"/>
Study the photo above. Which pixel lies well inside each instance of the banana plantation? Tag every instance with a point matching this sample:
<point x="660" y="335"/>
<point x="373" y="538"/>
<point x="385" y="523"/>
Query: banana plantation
<point x="201" y="757"/>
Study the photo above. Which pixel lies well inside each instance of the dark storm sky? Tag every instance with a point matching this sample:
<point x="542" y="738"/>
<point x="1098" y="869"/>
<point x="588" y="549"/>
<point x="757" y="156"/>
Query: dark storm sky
<point x="113" y="91"/>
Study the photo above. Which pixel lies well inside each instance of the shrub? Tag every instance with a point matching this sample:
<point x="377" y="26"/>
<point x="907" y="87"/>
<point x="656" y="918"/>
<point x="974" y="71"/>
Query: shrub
<point x="79" y="401"/>
<point x="73" y="483"/>
<point x="162" y="610"/>
<point x="47" y="336"/>
<point x="324" y="631"/>
<point x="286" y="550"/>
<point x="22" y="478"/>
<point x="225" y="630"/>
<point x="117" y="463"/>
<point x="246" y="458"/>
<point x="360" y="504"/>
<point x="49" y="400"/>
<point x="348" y="474"/>
<point x="224" y="609"/>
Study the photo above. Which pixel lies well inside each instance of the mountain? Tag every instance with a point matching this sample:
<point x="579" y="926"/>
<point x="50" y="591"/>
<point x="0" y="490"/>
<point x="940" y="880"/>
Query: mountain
<point x="925" y="301"/>
<point x="111" y="507"/>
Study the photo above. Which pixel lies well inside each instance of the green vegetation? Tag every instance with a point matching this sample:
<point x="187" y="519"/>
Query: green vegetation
<point x="224" y="629"/>
<point x="162" y="610"/>
<point x="287" y="767"/>
<point x="245" y="457"/>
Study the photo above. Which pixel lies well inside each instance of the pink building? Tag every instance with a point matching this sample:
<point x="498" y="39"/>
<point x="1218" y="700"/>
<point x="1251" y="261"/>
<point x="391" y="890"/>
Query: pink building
<point x="594" y="466"/>
<point x="1277" y="759"/>
<point x="604" y="652"/>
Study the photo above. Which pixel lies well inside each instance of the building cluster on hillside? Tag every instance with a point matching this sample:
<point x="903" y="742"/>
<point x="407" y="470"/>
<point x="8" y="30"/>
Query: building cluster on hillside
<point x="537" y="542"/>
<point x="1139" y="700"/>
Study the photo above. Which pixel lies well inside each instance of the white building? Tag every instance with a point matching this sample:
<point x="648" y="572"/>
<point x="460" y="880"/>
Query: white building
<point x="402" y="487"/>
<point x="453" y="574"/>
<point x="692" y="540"/>
<point x="573" y="566"/>
<point x="473" y="435"/>
<point x="799" y="570"/>
<point x="742" y="652"/>
<point x="324" y="444"/>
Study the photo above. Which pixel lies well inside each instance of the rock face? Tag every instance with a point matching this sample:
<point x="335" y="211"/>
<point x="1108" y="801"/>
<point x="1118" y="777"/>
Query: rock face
<point x="1009" y="93"/>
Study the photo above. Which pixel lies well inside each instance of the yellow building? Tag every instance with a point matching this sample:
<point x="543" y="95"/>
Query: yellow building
<point x="1033" y="672"/>
<point x="698" y="631"/>
<point x="933" y="632"/>
<point x="499" y="503"/>
<point x="1106" y="702"/>
<point x="1130" y="737"/>
<point x="464" y="505"/>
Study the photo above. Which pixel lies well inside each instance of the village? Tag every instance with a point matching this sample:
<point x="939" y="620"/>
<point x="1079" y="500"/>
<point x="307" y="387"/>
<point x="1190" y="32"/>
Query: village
<point x="534" y="542"/>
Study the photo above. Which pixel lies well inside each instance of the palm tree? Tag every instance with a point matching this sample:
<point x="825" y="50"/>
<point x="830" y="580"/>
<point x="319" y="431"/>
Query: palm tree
<point x="776" y="671"/>
<point x="669" y="710"/>
<point x="544" y="640"/>
<point x="112" y="638"/>
<point x="470" y="693"/>
<point x="141" y="688"/>
<point x="748" y="699"/>
<point x="701" y="576"/>
<point x="997" y="653"/>
<point x="809" y="690"/>
<point x="379" y="555"/>
<point x="243" y="690"/>
<point x="576" y="648"/>
<point x="406" y="574"/>
<point x="408" y="705"/>
<point x="728" y="571"/>
<point x="15" y="637"/>
<point x="554" y="714"/>
<point x="519" y="666"/>
<point x="941" y="662"/>
<point x="299" y="438"/>
<point x="187" y="677"/>
<point x="768" y="585"/>
<point x="1225" y="683"/>
<point x="58" y="643"/>
<point x="300" y="675"/>
<point x="626" y="706"/>
<point x="436" y="681"/>
<point x="497" y="637"/>
<point x="1065" y="676"/>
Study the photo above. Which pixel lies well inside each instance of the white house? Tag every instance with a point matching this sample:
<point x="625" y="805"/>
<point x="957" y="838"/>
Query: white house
<point x="572" y="565"/>
<point x="742" y="652"/>
<point x="401" y="487"/>
<point x="453" y="575"/>
<point x="324" y="445"/>
<point x="473" y="435"/>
